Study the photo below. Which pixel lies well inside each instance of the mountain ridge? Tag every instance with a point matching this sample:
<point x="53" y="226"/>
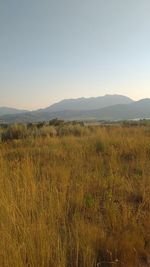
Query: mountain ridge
<point x="8" y="110"/>
<point x="133" y="110"/>
<point x="89" y="103"/>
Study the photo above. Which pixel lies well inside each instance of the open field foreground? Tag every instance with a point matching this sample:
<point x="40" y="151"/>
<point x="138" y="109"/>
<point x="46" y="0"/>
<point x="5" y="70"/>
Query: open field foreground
<point x="75" y="196"/>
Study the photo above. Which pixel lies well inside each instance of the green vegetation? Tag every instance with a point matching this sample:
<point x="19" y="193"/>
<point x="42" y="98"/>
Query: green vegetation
<point x="74" y="195"/>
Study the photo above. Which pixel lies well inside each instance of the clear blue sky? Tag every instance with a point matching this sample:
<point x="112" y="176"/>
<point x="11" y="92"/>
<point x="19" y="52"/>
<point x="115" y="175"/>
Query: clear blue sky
<point x="55" y="49"/>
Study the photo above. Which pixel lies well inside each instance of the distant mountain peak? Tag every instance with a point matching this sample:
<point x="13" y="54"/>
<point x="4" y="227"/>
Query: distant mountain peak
<point x="90" y="103"/>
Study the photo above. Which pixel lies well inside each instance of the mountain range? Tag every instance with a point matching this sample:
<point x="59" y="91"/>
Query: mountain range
<point x="108" y="107"/>
<point x="7" y="110"/>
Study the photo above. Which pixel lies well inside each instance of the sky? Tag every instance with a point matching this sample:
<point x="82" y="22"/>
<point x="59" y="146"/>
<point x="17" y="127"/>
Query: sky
<point x="56" y="49"/>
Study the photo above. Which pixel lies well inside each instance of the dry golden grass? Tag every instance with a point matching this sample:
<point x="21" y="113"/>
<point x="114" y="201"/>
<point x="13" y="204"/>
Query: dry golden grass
<point x="81" y="200"/>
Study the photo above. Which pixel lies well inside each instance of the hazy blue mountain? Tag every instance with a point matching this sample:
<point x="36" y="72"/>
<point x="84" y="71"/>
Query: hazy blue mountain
<point x="7" y="110"/>
<point x="133" y="110"/>
<point x="136" y="110"/>
<point x="89" y="103"/>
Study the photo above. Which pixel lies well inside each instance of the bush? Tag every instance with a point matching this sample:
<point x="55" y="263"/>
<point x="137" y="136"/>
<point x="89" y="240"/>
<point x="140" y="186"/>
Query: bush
<point x="47" y="131"/>
<point x="41" y="124"/>
<point x="14" y="132"/>
<point x="56" y="122"/>
<point x="100" y="146"/>
<point x="75" y="130"/>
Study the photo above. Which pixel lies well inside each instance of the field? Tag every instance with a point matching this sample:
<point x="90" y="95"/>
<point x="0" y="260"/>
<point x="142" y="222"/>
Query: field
<point x="75" y="196"/>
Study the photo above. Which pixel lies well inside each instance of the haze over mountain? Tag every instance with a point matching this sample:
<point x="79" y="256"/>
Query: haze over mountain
<point x="76" y="104"/>
<point x="7" y="110"/>
<point x="109" y="107"/>
<point x="89" y="103"/>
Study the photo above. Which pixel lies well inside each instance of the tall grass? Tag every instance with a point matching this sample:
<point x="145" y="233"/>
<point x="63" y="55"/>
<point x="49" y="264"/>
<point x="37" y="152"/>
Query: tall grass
<point x="76" y="198"/>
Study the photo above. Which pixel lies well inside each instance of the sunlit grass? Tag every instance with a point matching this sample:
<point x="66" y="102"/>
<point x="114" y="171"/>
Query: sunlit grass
<point x="78" y="198"/>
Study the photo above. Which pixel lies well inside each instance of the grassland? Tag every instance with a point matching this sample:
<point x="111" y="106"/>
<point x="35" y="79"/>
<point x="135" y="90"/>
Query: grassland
<point x="75" y="196"/>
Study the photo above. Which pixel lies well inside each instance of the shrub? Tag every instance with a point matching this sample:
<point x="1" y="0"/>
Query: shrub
<point x="75" y="130"/>
<point x="56" y="122"/>
<point x="14" y="132"/>
<point x="100" y="146"/>
<point x="41" y="124"/>
<point x="47" y="131"/>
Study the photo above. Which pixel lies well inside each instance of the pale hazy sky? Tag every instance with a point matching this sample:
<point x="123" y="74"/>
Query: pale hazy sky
<point x="55" y="49"/>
